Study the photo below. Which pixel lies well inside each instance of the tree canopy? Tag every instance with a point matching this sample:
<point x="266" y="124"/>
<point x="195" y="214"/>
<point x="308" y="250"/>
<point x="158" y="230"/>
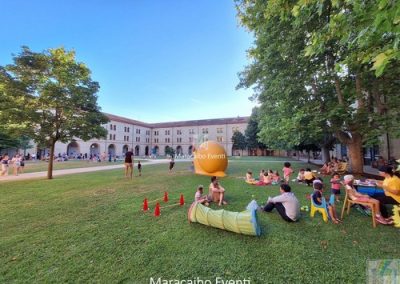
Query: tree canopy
<point x="324" y="68"/>
<point x="238" y="141"/>
<point x="50" y="97"/>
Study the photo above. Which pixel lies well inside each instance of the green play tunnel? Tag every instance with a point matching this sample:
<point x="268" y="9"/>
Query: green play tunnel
<point x="244" y="222"/>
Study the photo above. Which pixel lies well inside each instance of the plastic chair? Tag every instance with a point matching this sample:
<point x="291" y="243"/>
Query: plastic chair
<point x="321" y="208"/>
<point x="342" y="168"/>
<point x="348" y="202"/>
<point x="396" y="216"/>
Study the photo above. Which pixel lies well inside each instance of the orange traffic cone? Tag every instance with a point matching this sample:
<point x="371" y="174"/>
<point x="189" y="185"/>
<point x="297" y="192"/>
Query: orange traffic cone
<point x="157" y="210"/>
<point x="181" y="200"/>
<point x="145" y="205"/>
<point x="165" y="196"/>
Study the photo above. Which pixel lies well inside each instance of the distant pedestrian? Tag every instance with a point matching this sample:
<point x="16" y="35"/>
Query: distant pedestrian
<point x="128" y="164"/>
<point x="171" y="164"/>
<point x="4" y="165"/>
<point x="139" y="167"/>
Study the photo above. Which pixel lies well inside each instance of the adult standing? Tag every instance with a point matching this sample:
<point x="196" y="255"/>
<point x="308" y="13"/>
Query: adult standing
<point x="4" y="165"/>
<point x="129" y="164"/>
<point x="391" y="187"/>
<point x="286" y="204"/>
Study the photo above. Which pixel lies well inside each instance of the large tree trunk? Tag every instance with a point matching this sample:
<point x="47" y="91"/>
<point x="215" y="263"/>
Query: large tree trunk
<point x="51" y="160"/>
<point x="325" y="154"/>
<point x="356" y="154"/>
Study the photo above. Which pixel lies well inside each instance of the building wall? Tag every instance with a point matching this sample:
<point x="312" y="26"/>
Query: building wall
<point x="180" y="137"/>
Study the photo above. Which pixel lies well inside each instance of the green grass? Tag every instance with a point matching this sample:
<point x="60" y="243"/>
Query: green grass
<point x="90" y="228"/>
<point x="40" y="166"/>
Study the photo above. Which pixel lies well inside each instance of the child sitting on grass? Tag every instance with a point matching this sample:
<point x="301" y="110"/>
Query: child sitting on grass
<point x="287" y="171"/>
<point x="317" y="198"/>
<point x="355" y="195"/>
<point x="261" y="176"/>
<point x="300" y="176"/>
<point x="335" y="186"/>
<point x="249" y="178"/>
<point x="265" y="180"/>
<point x="276" y="178"/>
<point x="199" y="197"/>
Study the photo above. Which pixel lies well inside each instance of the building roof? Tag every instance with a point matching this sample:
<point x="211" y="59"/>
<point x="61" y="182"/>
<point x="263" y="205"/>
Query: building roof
<point x="203" y="122"/>
<point x="187" y="123"/>
<point x="127" y="120"/>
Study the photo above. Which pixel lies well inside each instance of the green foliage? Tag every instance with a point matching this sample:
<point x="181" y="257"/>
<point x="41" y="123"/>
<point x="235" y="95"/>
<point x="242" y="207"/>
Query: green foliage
<point x="169" y="151"/>
<point x="323" y="68"/>
<point x="238" y="141"/>
<point x="252" y="131"/>
<point x="50" y="97"/>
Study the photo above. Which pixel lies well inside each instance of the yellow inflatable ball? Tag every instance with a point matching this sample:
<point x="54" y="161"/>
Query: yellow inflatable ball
<point x="210" y="159"/>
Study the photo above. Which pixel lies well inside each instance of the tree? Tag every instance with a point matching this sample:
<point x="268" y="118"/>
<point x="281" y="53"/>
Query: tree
<point x="252" y="131"/>
<point x="50" y="97"/>
<point x="169" y="151"/>
<point x="239" y="141"/>
<point x="316" y="74"/>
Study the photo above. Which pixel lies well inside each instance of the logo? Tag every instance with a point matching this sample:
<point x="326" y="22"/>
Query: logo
<point x="383" y="271"/>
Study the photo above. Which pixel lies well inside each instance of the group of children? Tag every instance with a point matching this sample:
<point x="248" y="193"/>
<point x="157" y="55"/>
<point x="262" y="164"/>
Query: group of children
<point x="286" y="203"/>
<point x="353" y="194"/>
<point x="270" y="177"/>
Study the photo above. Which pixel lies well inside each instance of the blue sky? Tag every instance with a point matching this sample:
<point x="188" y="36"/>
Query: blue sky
<point x="155" y="60"/>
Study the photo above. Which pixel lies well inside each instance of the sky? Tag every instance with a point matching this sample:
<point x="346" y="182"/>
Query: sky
<point x="155" y="60"/>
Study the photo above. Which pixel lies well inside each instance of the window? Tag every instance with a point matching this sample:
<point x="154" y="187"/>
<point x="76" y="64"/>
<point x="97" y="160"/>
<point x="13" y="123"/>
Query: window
<point x="115" y="127"/>
<point x="219" y="130"/>
<point x="235" y="128"/>
<point x="147" y="140"/>
<point x="204" y="130"/>
<point x="155" y="133"/>
<point x="219" y="139"/>
<point x="113" y="136"/>
<point x="179" y="132"/>
<point x="137" y="139"/>
<point x="111" y="127"/>
<point x="110" y="137"/>
<point x="155" y="140"/>
<point x="138" y="131"/>
<point x="128" y="129"/>
<point x="191" y="131"/>
<point x="190" y="139"/>
<point x="127" y="138"/>
<point x="167" y="132"/>
<point x="147" y="132"/>
<point x="179" y="140"/>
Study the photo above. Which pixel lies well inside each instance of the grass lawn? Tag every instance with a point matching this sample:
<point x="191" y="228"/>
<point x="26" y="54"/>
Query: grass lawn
<point x="90" y="228"/>
<point x="40" y="166"/>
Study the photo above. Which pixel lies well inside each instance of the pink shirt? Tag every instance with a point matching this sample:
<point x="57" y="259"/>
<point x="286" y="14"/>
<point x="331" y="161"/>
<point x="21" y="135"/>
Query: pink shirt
<point x="197" y="196"/>
<point x="287" y="171"/>
<point x="335" y="183"/>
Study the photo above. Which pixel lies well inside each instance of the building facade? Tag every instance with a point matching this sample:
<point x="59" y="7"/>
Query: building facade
<point x="147" y="139"/>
